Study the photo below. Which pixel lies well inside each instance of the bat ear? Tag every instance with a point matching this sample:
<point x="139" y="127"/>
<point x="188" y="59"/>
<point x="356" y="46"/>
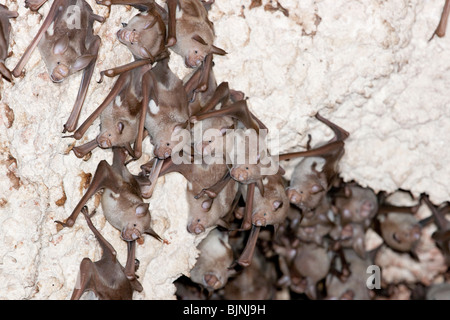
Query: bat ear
<point x="316" y="188"/>
<point x="142" y="209"/>
<point x="347" y="192"/>
<point x="277" y="204"/>
<point x="61" y="45"/>
<point x="218" y="51"/>
<point x="199" y="39"/>
<point x="82" y="62"/>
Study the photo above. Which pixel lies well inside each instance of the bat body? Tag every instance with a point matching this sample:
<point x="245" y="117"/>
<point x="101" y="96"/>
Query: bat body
<point x="194" y="33"/>
<point x="168" y="114"/>
<point x="5" y="30"/>
<point x="354" y="287"/>
<point x="354" y="213"/>
<point x="313" y="176"/>
<point x="106" y="278"/>
<point x="67" y="45"/>
<point x="122" y="115"/>
<point x="212" y="267"/>
<point x="205" y="210"/>
<point x="122" y="202"/>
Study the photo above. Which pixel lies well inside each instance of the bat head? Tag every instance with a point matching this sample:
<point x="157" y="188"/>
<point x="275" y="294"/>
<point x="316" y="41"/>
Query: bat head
<point x="119" y="127"/>
<point x="63" y="61"/>
<point x="359" y="205"/>
<point x="272" y="208"/>
<point x="138" y="224"/>
<point x="143" y="35"/>
<point x="307" y="195"/>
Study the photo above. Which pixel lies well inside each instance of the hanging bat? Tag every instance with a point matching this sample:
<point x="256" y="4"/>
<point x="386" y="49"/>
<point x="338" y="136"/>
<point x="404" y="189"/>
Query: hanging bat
<point x="212" y="267"/>
<point x="354" y="287"/>
<point x="357" y="205"/>
<point x="310" y="264"/>
<point x="255" y="282"/>
<point x="168" y="115"/>
<point x="442" y="234"/>
<point x="107" y="278"/>
<point x="168" y="15"/>
<point x="144" y="35"/>
<point x="354" y="211"/>
<point x="204" y="211"/>
<point x="67" y="45"/>
<point x="398" y="227"/>
<point x="313" y="177"/>
<point x="122" y="114"/>
<point x="5" y="30"/>
<point x="316" y="227"/>
<point x="122" y="202"/>
<point x="194" y="32"/>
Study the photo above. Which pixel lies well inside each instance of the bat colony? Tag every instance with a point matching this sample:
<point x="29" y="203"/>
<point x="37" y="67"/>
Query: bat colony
<point x="266" y="231"/>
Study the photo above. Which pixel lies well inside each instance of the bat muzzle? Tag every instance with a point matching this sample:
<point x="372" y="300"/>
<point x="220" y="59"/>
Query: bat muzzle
<point x="130" y="234"/>
<point x="59" y="73"/>
<point x="104" y="142"/>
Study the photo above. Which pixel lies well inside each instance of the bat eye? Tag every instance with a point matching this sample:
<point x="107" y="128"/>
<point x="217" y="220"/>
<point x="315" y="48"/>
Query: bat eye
<point x="246" y="168"/>
<point x="58" y="62"/>
<point x="195" y="51"/>
<point x="167" y="144"/>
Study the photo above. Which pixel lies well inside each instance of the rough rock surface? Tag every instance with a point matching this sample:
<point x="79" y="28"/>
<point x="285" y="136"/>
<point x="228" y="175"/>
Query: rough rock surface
<point x="366" y="65"/>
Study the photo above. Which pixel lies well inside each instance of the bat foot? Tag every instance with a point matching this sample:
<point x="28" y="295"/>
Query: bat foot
<point x="61" y="225"/>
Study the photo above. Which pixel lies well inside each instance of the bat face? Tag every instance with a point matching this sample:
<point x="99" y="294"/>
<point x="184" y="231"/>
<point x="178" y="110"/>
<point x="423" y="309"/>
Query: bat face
<point x="307" y="187"/>
<point x="144" y="35"/>
<point x="272" y="208"/>
<point x="127" y="213"/>
<point x="361" y="206"/>
<point x="216" y="256"/>
<point x="63" y="46"/>
<point x="400" y="231"/>
<point x="118" y="126"/>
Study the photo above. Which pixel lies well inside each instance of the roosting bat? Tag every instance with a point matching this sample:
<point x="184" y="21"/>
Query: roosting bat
<point x="168" y="115"/>
<point x="122" y="202"/>
<point x="317" y="226"/>
<point x="255" y="282"/>
<point x="398" y="227"/>
<point x="354" y="213"/>
<point x="310" y="264"/>
<point x="204" y="211"/>
<point x="442" y="234"/>
<point x="354" y="287"/>
<point x="107" y="278"/>
<point x="151" y="5"/>
<point x="67" y="45"/>
<point x="122" y="114"/>
<point x="194" y="33"/>
<point x="313" y="177"/>
<point x="144" y="35"/>
<point x="216" y="256"/>
<point x="5" y="30"/>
